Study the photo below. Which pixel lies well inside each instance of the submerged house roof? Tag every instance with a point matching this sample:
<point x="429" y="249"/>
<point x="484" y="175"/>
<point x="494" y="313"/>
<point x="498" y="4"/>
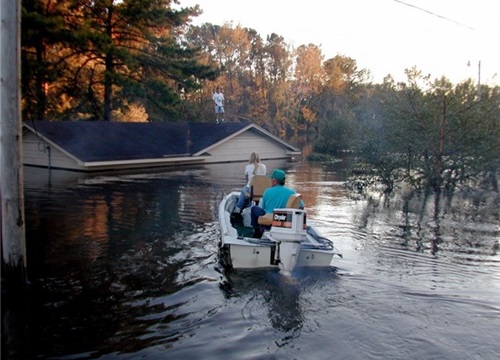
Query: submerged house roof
<point x="91" y="146"/>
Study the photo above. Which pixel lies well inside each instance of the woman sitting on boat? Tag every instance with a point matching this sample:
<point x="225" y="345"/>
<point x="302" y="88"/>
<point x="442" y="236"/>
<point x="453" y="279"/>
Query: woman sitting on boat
<point x="254" y="167"/>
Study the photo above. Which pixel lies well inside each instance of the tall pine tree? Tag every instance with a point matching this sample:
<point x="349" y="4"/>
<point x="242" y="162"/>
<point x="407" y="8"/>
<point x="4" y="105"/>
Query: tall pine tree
<point x="105" y="55"/>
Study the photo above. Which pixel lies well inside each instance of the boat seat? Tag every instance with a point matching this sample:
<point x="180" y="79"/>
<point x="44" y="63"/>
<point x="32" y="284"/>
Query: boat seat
<point x="258" y="184"/>
<point x="293" y="202"/>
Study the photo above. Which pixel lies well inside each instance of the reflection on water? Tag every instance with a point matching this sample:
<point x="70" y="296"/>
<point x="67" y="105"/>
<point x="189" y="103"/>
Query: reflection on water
<point x="126" y="266"/>
<point x="466" y="224"/>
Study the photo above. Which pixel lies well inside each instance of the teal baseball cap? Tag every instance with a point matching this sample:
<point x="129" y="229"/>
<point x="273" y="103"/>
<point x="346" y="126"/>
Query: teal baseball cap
<point x="278" y="174"/>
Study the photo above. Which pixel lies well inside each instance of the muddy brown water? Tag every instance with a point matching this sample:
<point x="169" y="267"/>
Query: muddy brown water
<point x="126" y="266"/>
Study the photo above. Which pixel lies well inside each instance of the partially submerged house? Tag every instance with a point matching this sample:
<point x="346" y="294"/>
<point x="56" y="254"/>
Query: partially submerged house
<point x="101" y="146"/>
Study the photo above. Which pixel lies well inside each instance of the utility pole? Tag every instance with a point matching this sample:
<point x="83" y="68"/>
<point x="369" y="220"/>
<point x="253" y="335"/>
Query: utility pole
<point x="478" y="90"/>
<point x="13" y="234"/>
<point x="479" y="80"/>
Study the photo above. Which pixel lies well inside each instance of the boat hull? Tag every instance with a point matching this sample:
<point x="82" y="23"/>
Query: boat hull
<point x="251" y="257"/>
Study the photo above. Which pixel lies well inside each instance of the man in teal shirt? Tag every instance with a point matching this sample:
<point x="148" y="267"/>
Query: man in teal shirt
<point x="274" y="197"/>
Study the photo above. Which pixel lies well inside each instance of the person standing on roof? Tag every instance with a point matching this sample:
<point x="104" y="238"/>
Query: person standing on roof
<point x="254" y="167"/>
<point x="218" y="98"/>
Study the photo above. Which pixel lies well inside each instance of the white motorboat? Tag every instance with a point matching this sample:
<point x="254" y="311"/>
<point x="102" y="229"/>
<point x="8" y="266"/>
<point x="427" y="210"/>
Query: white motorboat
<point x="289" y="243"/>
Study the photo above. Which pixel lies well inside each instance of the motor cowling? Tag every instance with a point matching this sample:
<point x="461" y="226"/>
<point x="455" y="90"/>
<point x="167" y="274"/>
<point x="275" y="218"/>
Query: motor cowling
<point x="289" y="224"/>
<point x="288" y="229"/>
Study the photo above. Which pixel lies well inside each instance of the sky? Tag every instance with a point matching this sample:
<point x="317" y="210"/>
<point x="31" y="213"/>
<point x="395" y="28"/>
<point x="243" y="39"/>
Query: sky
<point x="459" y="39"/>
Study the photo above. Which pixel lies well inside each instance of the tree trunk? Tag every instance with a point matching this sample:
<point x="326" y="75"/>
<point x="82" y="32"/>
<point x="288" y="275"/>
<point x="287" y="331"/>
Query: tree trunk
<point x="40" y="84"/>
<point x="109" y="71"/>
<point x="438" y="164"/>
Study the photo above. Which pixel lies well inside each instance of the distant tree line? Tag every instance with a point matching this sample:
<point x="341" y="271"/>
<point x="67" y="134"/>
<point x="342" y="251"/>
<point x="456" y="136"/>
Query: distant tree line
<point x="141" y="60"/>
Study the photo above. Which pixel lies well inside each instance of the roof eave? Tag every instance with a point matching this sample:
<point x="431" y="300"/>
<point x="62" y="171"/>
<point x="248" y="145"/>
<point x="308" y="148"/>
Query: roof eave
<point x="92" y="165"/>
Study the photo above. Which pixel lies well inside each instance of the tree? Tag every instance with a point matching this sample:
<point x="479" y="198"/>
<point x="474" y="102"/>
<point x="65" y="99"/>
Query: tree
<point x="309" y="77"/>
<point x="338" y="104"/>
<point x="433" y="134"/>
<point x="120" y="53"/>
<point x="45" y="36"/>
<point x="277" y="75"/>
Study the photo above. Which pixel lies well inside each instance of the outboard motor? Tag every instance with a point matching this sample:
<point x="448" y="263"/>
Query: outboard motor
<point x="287" y="230"/>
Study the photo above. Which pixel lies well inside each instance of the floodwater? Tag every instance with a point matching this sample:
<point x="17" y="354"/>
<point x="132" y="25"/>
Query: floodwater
<point x="126" y="266"/>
